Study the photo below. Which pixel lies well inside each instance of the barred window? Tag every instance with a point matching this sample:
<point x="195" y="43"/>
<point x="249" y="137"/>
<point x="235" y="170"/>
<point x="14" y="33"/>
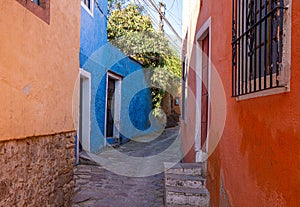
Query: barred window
<point x="257" y="45"/>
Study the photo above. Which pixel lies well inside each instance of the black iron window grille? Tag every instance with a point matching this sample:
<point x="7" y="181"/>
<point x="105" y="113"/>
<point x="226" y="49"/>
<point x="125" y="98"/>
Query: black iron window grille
<point x="257" y="44"/>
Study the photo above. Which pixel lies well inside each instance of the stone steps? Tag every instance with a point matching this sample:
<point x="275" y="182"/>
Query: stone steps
<point x="185" y="185"/>
<point x="190" y="181"/>
<point x="187" y="169"/>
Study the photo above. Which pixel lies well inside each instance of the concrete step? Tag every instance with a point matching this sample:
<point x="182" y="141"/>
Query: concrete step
<point x="180" y="180"/>
<point x="187" y="169"/>
<point x="187" y="196"/>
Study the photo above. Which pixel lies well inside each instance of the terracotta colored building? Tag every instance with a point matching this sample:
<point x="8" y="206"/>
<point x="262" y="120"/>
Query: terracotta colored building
<point x="39" y="65"/>
<point x="241" y="105"/>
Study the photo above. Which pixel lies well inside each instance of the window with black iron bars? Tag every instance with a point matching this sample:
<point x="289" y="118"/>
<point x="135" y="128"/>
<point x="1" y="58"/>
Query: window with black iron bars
<point x="257" y="42"/>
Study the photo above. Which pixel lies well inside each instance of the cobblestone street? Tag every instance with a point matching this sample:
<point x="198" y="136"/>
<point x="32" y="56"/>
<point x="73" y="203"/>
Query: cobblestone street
<point x="98" y="187"/>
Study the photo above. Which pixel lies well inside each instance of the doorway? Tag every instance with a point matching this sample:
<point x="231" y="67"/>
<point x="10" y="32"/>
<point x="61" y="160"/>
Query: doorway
<point x="203" y="91"/>
<point x="83" y="133"/>
<point x="113" y="107"/>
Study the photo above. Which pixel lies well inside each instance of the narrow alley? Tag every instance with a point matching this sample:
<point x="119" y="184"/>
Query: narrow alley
<point x="150" y="103"/>
<point x="98" y="187"/>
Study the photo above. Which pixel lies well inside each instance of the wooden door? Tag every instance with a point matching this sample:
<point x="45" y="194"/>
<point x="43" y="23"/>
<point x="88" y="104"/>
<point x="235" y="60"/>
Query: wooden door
<point x="204" y="93"/>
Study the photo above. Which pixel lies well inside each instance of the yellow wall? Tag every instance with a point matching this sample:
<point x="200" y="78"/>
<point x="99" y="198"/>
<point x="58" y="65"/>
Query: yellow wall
<point x="38" y="68"/>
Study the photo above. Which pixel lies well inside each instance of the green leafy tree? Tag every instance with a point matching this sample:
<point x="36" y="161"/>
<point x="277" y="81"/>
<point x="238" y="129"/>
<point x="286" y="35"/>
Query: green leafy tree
<point x="133" y="34"/>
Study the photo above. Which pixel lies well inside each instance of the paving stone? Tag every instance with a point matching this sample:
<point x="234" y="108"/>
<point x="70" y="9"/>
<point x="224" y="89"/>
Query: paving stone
<point x="97" y="187"/>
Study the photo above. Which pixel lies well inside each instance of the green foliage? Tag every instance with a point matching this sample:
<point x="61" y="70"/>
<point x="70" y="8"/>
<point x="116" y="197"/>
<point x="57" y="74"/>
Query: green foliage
<point x="122" y="21"/>
<point x="133" y="34"/>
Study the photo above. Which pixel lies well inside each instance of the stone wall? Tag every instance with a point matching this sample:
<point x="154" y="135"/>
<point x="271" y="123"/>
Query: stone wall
<point x="37" y="171"/>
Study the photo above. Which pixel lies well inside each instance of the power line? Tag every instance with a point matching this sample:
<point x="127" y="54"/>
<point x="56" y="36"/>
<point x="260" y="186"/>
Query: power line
<point x="174" y="18"/>
<point x="154" y="20"/>
<point x="148" y="5"/>
<point x="166" y="20"/>
<point x="172" y="5"/>
<point x="151" y="15"/>
<point x="150" y="10"/>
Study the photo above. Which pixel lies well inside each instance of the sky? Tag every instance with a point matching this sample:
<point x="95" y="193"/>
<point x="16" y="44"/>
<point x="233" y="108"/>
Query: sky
<point x="173" y="14"/>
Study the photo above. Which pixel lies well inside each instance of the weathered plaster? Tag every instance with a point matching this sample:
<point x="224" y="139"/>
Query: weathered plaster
<point x="258" y="153"/>
<point x="44" y="57"/>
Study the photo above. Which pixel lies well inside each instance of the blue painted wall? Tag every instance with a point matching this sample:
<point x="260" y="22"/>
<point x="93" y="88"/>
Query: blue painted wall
<point x="97" y="56"/>
<point x="93" y="30"/>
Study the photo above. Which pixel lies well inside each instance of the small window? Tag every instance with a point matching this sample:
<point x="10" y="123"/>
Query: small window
<point x="88" y="5"/>
<point x="36" y="2"/>
<point x="41" y="3"/>
<point x="257" y="46"/>
<point x="41" y="8"/>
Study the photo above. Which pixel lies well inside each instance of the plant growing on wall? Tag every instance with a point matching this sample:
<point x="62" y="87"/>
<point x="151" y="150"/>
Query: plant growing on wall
<point x="133" y="33"/>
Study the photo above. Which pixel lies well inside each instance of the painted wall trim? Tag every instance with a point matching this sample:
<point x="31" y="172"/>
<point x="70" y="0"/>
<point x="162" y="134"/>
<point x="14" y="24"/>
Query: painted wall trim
<point x="87" y="108"/>
<point x="89" y="11"/>
<point x="269" y="92"/>
<point x="201" y="34"/>
<point x="118" y="89"/>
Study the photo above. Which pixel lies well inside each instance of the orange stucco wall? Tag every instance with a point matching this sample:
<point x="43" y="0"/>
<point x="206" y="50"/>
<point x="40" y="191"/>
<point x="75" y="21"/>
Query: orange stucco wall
<point x="258" y="156"/>
<point x="38" y="68"/>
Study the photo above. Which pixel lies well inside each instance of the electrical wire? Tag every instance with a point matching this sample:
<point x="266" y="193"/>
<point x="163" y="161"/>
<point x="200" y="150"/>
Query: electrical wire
<point x="148" y="9"/>
<point x="166" y="20"/>
<point x="172" y="5"/>
<point x="148" y="5"/>
<point x="174" y="18"/>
